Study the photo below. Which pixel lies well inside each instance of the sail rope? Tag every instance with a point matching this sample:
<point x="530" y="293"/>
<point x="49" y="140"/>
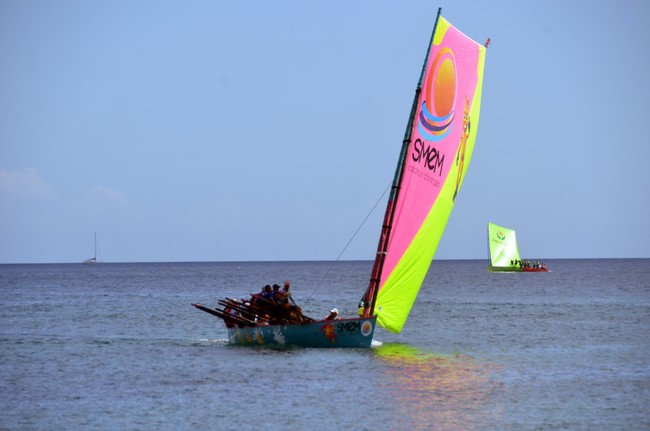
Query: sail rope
<point x="372" y="210"/>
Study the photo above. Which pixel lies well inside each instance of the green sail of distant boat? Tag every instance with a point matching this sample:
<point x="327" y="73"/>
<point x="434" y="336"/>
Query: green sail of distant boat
<point x="502" y="243"/>
<point x="504" y="253"/>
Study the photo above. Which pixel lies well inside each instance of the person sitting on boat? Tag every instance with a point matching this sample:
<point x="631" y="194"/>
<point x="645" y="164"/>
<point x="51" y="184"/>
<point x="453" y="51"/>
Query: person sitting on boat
<point x="334" y="315"/>
<point x="263" y="320"/>
<point x="229" y="311"/>
<point x="265" y="293"/>
<point x="279" y="296"/>
<point x="287" y="293"/>
<point x="233" y="308"/>
<point x="255" y="296"/>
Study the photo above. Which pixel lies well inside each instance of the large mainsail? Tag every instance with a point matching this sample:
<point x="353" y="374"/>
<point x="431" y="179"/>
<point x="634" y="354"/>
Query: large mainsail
<point x="503" y="246"/>
<point x="437" y="148"/>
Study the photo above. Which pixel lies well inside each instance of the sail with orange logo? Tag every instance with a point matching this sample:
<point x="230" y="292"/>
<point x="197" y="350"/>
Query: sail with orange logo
<point x="436" y="151"/>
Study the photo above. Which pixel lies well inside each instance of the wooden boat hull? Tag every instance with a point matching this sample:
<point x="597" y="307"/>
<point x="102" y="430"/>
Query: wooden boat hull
<point x="514" y="269"/>
<point x="356" y="332"/>
<point x="504" y="268"/>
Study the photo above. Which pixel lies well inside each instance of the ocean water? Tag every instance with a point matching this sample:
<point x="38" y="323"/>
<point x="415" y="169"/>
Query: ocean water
<point x="118" y="346"/>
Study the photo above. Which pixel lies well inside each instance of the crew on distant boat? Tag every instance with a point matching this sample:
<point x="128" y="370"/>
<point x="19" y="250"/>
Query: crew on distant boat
<point x="539" y="265"/>
<point x="334" y="315"/>
<point x="526" y="264"/>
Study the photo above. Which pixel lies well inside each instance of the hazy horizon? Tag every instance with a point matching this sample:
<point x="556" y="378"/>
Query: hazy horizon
<point x="210" y="131"/>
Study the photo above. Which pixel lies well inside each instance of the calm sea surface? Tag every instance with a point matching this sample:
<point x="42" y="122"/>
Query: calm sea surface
<point x="119" y="347"/>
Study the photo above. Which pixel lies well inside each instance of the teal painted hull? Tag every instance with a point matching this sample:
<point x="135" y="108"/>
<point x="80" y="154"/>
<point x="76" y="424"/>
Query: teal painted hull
<point x="355" y="332"/>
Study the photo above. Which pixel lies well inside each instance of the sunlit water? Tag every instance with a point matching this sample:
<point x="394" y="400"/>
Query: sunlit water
<point x="118" y="346"/>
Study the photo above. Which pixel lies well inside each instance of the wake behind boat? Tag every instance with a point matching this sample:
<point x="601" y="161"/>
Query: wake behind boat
<point x="434" y="156"/>
<point x="504" y="252"/>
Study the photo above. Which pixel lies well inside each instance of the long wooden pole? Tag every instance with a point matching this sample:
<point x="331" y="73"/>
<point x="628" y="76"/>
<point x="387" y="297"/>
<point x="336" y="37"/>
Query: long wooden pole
<point x="370" y="297"/>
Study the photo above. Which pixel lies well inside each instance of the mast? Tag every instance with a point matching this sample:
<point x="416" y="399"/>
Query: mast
<point x="370" y="296"/>
<point x="489" y="249"/>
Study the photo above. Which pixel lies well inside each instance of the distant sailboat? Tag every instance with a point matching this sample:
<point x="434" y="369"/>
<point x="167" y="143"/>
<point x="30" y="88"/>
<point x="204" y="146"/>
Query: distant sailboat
<point x="504" y="252"/>
<point x="434" y="155"/>
<point x="93" y="259"/>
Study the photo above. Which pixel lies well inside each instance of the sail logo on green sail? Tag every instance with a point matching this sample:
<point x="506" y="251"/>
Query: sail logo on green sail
<point x="501" y="235"/>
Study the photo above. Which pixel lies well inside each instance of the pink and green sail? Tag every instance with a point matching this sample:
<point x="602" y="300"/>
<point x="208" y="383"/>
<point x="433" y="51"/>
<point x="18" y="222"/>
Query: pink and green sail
<point x="442" y="131"/>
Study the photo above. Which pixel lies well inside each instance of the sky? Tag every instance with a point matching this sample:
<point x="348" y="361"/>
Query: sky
<point x="268" y="131"/>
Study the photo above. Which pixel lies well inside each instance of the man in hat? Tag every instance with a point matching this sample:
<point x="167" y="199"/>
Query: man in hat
<point x="334" y="315"/>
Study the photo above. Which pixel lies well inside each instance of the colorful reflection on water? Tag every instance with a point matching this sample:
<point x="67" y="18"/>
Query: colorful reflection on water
<point x="431" y="391"/>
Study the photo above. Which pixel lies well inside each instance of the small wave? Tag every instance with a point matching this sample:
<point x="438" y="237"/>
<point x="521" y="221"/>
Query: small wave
<point x="214" y="340"/>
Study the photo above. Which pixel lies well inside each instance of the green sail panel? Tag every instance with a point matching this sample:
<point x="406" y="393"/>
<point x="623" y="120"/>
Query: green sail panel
<point x="503" y="246"/>
<point x="440" y="138"/>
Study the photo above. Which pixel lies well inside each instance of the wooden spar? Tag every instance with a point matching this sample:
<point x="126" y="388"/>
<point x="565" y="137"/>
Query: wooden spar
<point x="278" y="314"/>
<point x="226" y="316"/>
<point x="370" y="297"/>
<point x="257" y="311"/>
<point x="242" y="309"/>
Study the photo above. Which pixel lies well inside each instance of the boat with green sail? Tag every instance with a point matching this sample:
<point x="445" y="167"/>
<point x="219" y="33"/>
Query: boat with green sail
<point x="433" y="159"/>
<point x="504" y="252"/>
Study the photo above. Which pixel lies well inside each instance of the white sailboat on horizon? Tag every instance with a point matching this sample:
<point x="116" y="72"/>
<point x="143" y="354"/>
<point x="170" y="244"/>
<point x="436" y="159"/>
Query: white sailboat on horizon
<point x="92" y="260"/>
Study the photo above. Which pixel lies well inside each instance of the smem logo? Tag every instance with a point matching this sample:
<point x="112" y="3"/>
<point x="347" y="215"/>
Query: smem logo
<point x="437" y="114"/>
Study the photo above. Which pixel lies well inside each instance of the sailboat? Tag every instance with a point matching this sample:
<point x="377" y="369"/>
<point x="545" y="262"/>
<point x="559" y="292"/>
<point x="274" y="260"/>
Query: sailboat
<point x="504" y="252"/>
<point x="93" y="259"/>
<point x="435" y="152"/>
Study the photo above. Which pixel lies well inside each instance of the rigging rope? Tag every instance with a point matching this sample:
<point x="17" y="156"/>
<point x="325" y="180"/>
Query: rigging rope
<point x="320" y="283"/>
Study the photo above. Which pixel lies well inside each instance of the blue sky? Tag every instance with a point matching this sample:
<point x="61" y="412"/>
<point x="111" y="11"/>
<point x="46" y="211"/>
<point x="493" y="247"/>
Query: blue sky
<point x="228" y="131"/>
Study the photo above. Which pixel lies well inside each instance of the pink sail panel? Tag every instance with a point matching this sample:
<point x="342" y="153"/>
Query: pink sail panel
<point x="437" y="157"/>
<point x="452" y="65"/>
